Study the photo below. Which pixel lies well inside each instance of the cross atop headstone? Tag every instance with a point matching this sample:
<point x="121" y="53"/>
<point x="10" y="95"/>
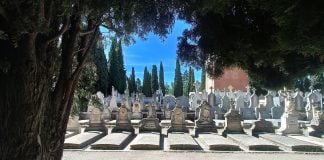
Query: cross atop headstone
<point x="311" y="88"/>
<point x="247" y="88"/>
<point x="253" y="90"/>
<point x="211" y="89"/>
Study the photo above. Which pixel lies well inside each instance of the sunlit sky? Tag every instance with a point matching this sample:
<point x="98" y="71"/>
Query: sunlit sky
<point x="152" y="51"/>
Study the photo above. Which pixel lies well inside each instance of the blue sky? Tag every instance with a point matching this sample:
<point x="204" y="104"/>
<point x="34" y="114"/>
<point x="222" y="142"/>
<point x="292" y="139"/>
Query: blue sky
<point x="153" y="50"/>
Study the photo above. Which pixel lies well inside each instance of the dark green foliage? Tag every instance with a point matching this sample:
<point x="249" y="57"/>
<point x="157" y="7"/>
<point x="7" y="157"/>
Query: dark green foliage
<point x="274" y="41"/>
<point x="139" y="85"/>
<point x="154" y="79"/>
<point x="185" y="79"/>
<point x="132" y="82"/>
<point x="147" y="89"/>
<point x="117" y="73"/>
<point x="86" y="87"/>
<point x="303" y="84"/>
<point x="100" y="61"/>
<point x="191" y="80"/>
<point x="178" y="84"/>
<point x="317" y="81"/>
<point x="203" y="79"/>
<point x="258" y="90"/>
<point x="161" y="79"/>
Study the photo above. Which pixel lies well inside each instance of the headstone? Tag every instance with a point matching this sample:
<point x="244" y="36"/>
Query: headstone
<point x="240" y="103"/>
<point x="261" y="126"/>
<point x="177" y="121"/>
<point x="289" y="120"/>
<point x="225" y="105"/>
<point x="247" y="113"/>
<point x="151" y="111"/>
<point x="276" y="112"/>
<point x="167" y="113"/>
<point x="169" y="102"/>
<point x="113" y="101"/>
<point x="232" y="121"/>
<point x="123" y="122"/>
<point x="96" y="122"/>
<point x="151" y="123"/>
<point x="184" y="102"/>
<point x="205" y="123"/>
<point x="299" y="102"/>
<point x="73" y="124"/>
<point x="254" y="101"/>
<point x="211" y="98"/>
<point x="317" y="123"/>
<point x="137" y="110"/>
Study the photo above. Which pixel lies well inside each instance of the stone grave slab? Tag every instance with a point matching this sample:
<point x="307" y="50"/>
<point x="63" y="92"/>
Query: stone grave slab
<point x="182" y="141"/>
<point x="252" y="143"/>
<point x="219" y="143"/>
<point x="311" y="139"/>
<point x="149" y="125"/>
<point x="82" y="140"/>
<point x="146" y="141"/>
<point x="291" y="144"/>
<point x="114" y="141"/>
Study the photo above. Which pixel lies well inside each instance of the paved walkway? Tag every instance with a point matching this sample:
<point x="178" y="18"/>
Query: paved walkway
<point x="187" y="155"/>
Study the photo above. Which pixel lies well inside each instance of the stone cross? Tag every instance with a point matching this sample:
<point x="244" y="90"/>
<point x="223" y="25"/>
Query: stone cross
<point x="211" y="89"/>
<point x="230" y="88"/>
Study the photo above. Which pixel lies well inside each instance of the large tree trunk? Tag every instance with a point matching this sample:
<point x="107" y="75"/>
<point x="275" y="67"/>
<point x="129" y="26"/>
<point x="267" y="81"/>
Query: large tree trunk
<point x="34" y="112"/>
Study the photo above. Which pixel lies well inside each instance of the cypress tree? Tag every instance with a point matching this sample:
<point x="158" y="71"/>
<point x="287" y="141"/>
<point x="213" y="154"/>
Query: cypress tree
<point x="161" y="78"/>
<point x="113" y="64"/>
<point x="155" y="80"/>
<point x="178" y="85"/>
<point x="191" y="80"/>
<point x="147" y="89"/>
<point x="100" y="61"/>
<point x="121" y="83"/>
<point x="185" y="79"/>
<point x="132" y="84"/>
<point x="203" y="79"/>
<point x="139" y="86"/>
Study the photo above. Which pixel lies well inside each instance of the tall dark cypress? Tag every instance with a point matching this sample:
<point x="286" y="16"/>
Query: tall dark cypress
<point x="155" y="80"/>
<point x="178" y="84"/>
<point x="113" y="64"/>
<point x="121" y="83"/>
<point x="100" y="61"/>
<point x="147" y="89"/>
<point x="132" y="84"/>
<point x="161" y="78"/>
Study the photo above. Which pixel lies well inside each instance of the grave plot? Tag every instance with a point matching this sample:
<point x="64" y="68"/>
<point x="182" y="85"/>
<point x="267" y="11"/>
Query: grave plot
<point x="291" y="144"/>
<point x="113" y="141"/>
<point x="182" y="141"/>
<point x="252" y="143"/>
<point x="217" y="142"/>
<point x="82" y="140"/>
<point x="311" y="139"/>
<point x="146" y="141"/>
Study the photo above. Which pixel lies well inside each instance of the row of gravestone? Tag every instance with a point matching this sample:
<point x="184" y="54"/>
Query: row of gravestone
<point x="205" y="122"/>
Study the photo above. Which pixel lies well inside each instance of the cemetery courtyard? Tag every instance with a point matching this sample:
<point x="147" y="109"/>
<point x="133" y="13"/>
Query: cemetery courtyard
<point x="161" y="79"/>
<point x="209" y="126"/>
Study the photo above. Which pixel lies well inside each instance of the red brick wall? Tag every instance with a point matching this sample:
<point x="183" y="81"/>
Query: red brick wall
<point x="233" y="76"/>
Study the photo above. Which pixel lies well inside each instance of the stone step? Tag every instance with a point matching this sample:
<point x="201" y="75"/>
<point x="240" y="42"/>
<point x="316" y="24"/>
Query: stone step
<point x="217" y="142"/>
<point x="311" y="139"/>
<point x="146" y="141"/>
<point x="82" y="140"/>
<point x="291" y="144"/>
<point x="248" y="142"/>
<point x="113" y="141"/>
<point x="182" y="141"/>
